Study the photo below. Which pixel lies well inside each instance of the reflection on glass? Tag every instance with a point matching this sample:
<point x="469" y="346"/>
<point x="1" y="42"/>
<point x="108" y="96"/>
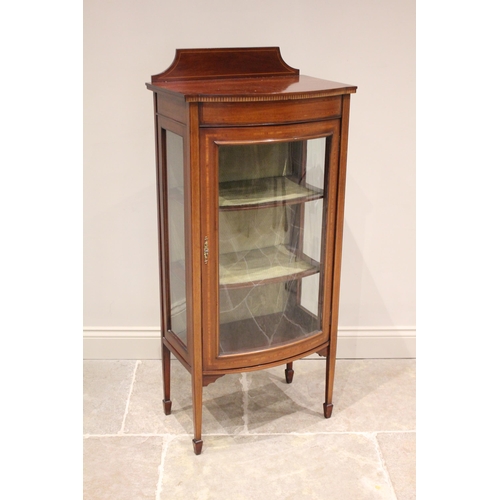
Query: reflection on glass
<point x="176" y="250"/>
<point x="270" y="230"/>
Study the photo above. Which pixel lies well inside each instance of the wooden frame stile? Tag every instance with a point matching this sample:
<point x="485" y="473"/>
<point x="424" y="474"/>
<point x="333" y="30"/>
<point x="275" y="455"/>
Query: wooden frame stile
<point x="169" y="117"/>
<point x="339" y="229"/>
<point x="169" y="342"/>
<point x="195" y="252"/>
<point x="210" y="221"/>
<point x="162" y="246"/>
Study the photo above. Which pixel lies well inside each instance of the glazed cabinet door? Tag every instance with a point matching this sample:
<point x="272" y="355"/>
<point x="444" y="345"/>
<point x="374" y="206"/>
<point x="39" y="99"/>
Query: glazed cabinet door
<point x="267" y="219"/>
<point x="173" y="221"/>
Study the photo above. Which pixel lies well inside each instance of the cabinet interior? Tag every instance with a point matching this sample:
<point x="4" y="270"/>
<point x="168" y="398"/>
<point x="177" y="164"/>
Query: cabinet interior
<point x="270" y="200"/>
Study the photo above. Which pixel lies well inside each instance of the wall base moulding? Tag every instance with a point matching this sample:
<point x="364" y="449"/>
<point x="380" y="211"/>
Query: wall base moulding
<point x="144" y="342"/>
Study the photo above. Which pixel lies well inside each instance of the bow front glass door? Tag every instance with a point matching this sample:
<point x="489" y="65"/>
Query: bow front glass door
<point x="270" y="232"/>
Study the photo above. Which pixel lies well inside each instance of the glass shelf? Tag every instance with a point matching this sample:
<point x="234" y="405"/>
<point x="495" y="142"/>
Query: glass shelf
<point x="264" y="192"/>
<point x="263" y="332"/>
<point x="263" y="265"/>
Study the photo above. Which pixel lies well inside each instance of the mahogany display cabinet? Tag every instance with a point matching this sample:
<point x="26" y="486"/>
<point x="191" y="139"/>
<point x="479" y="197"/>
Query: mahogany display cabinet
<point x="251" y="168"/>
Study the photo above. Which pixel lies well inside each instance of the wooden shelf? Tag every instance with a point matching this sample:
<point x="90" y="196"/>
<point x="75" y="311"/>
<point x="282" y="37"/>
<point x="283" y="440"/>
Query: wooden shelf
<point x="264" y="192"/>
<point x="261" y="266"/>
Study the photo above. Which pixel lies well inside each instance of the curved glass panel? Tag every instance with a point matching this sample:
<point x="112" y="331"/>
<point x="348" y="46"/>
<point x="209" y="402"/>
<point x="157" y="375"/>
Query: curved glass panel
<point x="270" y="233"/>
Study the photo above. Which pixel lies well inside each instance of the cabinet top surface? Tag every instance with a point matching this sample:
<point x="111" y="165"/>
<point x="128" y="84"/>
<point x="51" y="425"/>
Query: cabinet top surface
<point x="249" y="74"/>
<point x="253" y="89"/>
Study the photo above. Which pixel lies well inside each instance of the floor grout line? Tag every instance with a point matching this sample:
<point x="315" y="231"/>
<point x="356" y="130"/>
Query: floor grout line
<point x="385" y="472"/>
<point x="244" y="385"/>
<point x="161" y="467"/>
<point x="220" y="434"/>
<point x="122" y="428"/>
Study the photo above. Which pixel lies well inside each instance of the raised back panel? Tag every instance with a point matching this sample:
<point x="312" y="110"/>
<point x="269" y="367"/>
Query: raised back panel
<point x="197" y="64"/>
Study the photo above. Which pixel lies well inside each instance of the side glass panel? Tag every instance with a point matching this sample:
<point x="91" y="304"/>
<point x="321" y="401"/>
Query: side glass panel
<point x="270" y="235"/>
<point x="176" y="242"/>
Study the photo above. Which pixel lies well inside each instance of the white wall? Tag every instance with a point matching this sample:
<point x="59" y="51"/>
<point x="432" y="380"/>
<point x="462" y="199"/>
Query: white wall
<point x="365" y="43"/>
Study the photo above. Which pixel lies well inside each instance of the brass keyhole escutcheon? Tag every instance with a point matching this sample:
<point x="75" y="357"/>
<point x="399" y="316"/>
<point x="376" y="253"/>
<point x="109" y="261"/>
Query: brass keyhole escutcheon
<point x="205" y="250"/>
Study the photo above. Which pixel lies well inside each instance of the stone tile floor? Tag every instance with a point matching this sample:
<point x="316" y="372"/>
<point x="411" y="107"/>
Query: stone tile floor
<point x="262" y="438"/>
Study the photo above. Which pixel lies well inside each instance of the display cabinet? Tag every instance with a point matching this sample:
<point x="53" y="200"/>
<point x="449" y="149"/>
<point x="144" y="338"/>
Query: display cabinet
<point x="251" y="167"/>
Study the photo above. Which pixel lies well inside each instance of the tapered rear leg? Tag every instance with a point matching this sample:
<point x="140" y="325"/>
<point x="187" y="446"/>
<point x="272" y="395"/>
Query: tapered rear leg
<point x="167" y="403"/>
<point x="330" y="372"/>
<point x="289" y="373"/>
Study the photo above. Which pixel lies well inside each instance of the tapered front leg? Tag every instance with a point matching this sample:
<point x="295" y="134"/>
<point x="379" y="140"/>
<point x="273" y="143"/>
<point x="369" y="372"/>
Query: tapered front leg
<point x="165" y="356"/>
<point x="197" y="387"/>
